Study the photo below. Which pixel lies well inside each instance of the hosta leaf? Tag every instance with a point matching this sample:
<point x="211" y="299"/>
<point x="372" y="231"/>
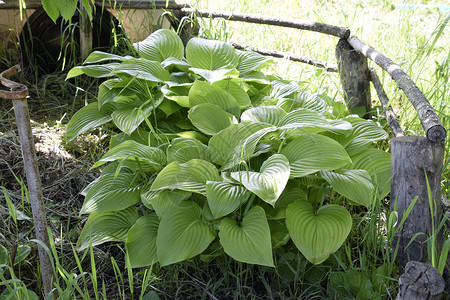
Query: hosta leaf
<point x="256" y="77"/>
<point x="191" y="176"/>
<point x="282" y="89"/>
<point x="278" y="233"/>
<point x="248" y="241"/>
<point x="99" y="56"/>
<point x="163" y="200"/>
<point x="237" y="142"/>
<point x="143" y="69"/>
<point x="129" y="116"/>
<point x="310" y="153"/>
<point x="355" y="185"/>
<point x="107" y="227"/>
<point x="250" y="61"/>
<point x="141" y="241"/>
<point x="138" y="156"/>
<point x="160" y="45"/>
<point x="172" y="64"/>
<point x="210" y="55"/>
<point x="182" y="234"/>
<point x="215" y="75"/>
<point x="318" y="234"/>
<point x="183" y="150"/>
<point x="304" y="100"/>
<point x="269" y="114"/>
<point x="111" y="192"/>
<point x="378" y="164"/>
<point x="88" y="118"/>
<point x="304" y="118"/>
<point x="210" y="118"/>
<point x="269" y="183"/>
<point x="225" y="197"/>
<point x="235" y="89"/>
<point x="202" y="92"/>
<point x="364" y="133"/>
<point x="97" y="71"/>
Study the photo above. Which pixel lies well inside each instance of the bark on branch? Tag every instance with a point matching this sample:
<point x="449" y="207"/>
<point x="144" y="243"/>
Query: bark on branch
<point x="290" y="56"/>
<point x="430" y="121"/>
<point x="390" y="116"/>
<point x="340" y="32"/>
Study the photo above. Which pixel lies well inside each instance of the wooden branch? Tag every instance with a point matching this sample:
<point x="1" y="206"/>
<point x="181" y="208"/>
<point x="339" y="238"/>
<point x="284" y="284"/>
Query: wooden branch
<point x="430" y="121"/>
<point x="420" y="281"/>
<point x="390" y="116"/>
<point x="85" y="32"/>
<point x="354" y="77"/>
<point x="290" y="56"/>
<point x="340" y="32"/>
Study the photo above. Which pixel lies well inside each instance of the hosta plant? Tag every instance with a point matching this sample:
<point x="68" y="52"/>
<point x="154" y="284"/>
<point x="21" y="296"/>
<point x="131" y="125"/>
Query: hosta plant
<point x="212" y="156"/>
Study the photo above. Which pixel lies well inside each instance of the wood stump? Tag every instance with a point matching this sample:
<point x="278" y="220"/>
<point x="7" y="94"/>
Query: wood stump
<point x="420" y="281"/>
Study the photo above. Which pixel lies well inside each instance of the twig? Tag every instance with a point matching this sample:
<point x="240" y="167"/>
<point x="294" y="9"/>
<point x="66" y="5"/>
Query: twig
<point x="390" y="116"/>
<point x="430" y="121"/>
<point x="290" y="56"/>
<point x="341" y="32"/>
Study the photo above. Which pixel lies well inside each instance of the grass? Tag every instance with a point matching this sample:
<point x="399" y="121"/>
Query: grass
<point x="417" y="40"/>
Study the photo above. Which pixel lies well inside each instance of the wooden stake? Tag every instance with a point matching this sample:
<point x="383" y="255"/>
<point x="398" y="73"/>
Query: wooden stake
<point x="354" y="75"/>
<point x="410" y="156"/>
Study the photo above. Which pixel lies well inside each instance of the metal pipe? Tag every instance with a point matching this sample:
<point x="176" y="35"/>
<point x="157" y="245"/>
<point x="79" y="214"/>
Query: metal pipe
<point x="18" y="95"/>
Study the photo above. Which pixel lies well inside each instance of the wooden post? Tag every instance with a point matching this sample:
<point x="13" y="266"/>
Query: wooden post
<point x="85" y="32"/>
<point x="354" y="75"/>
<point x="410" y="155"/>
<point x="420" y="281"/>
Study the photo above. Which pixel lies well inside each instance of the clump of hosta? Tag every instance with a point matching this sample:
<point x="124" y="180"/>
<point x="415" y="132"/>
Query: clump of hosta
<point x="214" y="154"/>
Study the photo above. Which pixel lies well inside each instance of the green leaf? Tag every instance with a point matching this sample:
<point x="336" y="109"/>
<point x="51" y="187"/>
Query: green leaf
<point x="143" y="69"/>
<point x="182" y="234"/>
<point x="160" y="45"/>
<point x="88" y="118"/>
<point x="237" y="142"/>
<point x="281" y="89"/>
<point x="4" y="256"/>
<point x="191" y="176"/>
<point x="355" y="185"/>
<point x="306" y="119"/>
<point x="107" y="227"/>
<point x="210" y="118"/>
<point x="365" y="132"/>
<point x="51" y="8"/>
<point x="202" y="92"/>
<point x="248" y="241"/>
<point x="236" y="89"/>
<point x="278" y="233"/>
<point x="129" y="116"/>
<point x="378" y="164"/>
<point x="141" y="241"/>
<point x="225" y="197"/>
<point x="163" y="200"/>
<point x="310" y="153"/>
<point x="215" y="75"/>
<point x="318" y="234"/>
<point x="97" y="71"/>
<point x="210" y="55"/>
<point x="269" y="114"/>
<point x="67" y="8"/>
<point x="183" y="150"/>
<point x="99" y="56"/>
<point x="138" y="156"/>
<point x="111" y="192"/>
<point x="304" y="100"/>
<point x="250" y="61"/>
<point x="269" y="183"/>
